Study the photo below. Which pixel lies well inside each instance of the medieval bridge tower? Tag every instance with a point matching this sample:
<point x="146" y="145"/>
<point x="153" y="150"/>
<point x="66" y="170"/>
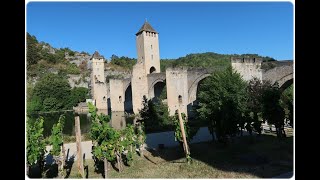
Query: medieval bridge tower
<point x="148" y="62"/>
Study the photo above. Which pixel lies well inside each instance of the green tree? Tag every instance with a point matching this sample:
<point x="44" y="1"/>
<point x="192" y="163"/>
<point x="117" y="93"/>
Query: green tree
<point x="36" y="148"/>
<point x="149" y="115"/>
<point x="287" y="103"/>
<point x="254" y="105"/>
<point x="123" y="61"/>
<point x="272" y="112"/>
<point x="34" y="105"/>
<point x="78" y="94"/>
<point x="56" y="89"/>
<point x="51" y="104"/>
<point x="222" y="100"/>
<point x="33" y="50"/>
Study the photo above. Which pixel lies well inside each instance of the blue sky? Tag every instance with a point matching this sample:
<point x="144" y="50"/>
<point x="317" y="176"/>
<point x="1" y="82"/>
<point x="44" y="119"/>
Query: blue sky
<point x="264" y="28"/>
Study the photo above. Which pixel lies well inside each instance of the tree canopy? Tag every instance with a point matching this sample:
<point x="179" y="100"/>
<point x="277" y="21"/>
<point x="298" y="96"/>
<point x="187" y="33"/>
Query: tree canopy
<point x="222" y="99"/>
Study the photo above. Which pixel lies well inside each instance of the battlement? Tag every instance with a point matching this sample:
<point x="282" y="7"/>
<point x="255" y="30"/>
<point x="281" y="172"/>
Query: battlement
<point x="246" y="60"/>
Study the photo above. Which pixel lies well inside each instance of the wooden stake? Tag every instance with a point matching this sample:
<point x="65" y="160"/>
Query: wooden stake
<point x="140" y="139"/>
<point x="186" y="149"/>
<point x="105" y="168"/>
<point x="63" y="156"/>
<point x="79" y="153"/>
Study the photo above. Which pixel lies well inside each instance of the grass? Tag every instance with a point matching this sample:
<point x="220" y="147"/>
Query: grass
<point x="246" y="157"/>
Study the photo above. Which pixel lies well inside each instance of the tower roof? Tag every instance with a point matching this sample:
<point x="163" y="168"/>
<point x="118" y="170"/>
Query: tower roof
<point x="146" y="27"/>
<point x="96" y="55"/>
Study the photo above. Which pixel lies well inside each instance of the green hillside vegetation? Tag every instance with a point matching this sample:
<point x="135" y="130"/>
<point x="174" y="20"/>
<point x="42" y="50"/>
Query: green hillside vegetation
<point x="125" y="62"/>
<point x="52" y="90"/>
<point x="210" y="60"/>
<point x="42" y="58"/>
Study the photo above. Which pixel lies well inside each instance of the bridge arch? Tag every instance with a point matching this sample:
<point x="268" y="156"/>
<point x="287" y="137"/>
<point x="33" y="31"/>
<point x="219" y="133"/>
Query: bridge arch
<point x="128" y="106"/>
<point x="192" y="91"/>
<point x="156" y="88"/>
<point x="156" y="84"/>
<point x="192" y="95"/>
<point x="281" y="74"/>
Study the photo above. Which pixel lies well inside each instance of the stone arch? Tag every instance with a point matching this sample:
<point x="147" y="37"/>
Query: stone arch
<point x="192" y="91"/>
<point x="152" y="70"/>
<point x="192" y="95"/>
<point x="128" y="106"/>
<point x="285" y="81"/>
<point x="281" y="74"/>
<point x="156" y="87"/>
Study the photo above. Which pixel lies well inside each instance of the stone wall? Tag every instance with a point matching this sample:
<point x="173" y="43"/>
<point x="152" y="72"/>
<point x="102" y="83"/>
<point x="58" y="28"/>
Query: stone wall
<point x="139" y="83"/>
<point x="116" y="94"/>
<point x="281" y="74"/>
<point x="247" y="67"/>
<point x="98" y="84"/>
<point x="177" y="89"/>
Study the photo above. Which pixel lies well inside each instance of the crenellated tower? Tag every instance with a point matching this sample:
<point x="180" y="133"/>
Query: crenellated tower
<point x="98" y="85"/>
<point x="147" y="40"/>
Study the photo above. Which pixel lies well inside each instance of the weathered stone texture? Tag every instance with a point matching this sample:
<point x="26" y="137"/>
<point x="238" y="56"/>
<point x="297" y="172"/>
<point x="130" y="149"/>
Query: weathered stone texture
<point x="153" y="79"/>
<point x="98" y="84"/>
<point x="177" y="86"/>
<point x="247" y="67"/>
<point x="116" y="95"/>
<point x="280" y="74"/>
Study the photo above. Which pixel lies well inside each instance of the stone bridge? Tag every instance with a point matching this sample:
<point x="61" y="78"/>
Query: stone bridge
<point x="281" y="74"/>
<point x="180" y="84"/>
<point x="251" y="67"/>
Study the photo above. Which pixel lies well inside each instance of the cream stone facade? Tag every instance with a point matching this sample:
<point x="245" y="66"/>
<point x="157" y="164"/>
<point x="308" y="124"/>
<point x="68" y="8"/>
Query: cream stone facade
<point x="98" y="84"/>
<point x="248" y="67"/>
<point x="147" y="40"/>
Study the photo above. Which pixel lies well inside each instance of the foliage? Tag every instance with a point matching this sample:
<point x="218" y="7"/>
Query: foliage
<point x="34" y="105"/>
<point x="72" y="69"/>
<point x="189" y="131"/>
<point x="56" y="138"/>
<point x="287" y="103"/>
<point x="211" y="60"/>
<point x="129" y="139"/>
<point x="77" y="95"/>
<point x="123" y="61"/>
<point x="268" y="65"/>
<point x="35" y="142"/>
<point x="53" y="92"/>
<point x="33" y="55"/>
<point x="42" y="58"/>
<point x="222" y="100"/>
<point x="272" y="112"/>
<point x="141" y="135"/>
<point x="254" y="105"/>
<point x="155" y="115"/>
<point x="51" y="104"/>
<point x="109" y="143"/>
